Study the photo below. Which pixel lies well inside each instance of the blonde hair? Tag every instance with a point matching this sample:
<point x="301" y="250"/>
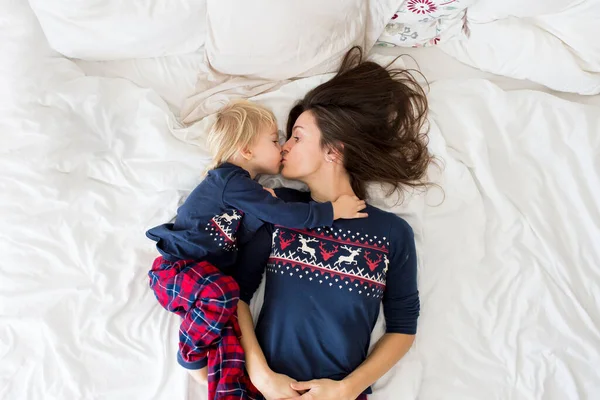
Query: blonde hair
<point x="236" y="127"/>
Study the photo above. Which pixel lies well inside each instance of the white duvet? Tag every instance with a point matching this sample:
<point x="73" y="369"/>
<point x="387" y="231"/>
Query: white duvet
<point x="551" y="42"/>
<point x="509" y="246"/>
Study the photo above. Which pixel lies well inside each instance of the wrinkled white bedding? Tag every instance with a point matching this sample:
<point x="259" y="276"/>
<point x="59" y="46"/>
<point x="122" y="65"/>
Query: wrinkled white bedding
<point x="509" y="261"/>
<point x="117" y="30"/>
<point x="551" y="42"/>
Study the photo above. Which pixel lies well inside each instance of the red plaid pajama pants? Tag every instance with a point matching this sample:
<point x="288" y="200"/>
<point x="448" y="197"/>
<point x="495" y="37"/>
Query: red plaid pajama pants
<point x="206" y="300"/>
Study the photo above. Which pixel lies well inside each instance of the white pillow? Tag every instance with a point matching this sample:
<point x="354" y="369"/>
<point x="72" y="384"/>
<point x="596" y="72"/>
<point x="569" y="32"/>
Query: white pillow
<point x="276" y="40"/>
<point x="117" y="29"/>
<point x="491" y="10"/>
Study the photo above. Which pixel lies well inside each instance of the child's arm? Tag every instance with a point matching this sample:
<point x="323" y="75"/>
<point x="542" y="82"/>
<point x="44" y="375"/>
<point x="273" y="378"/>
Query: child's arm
<point x="250" y="197"/>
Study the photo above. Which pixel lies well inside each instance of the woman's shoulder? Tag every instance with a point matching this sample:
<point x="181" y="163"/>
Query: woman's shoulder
<point x="398" y="226"/>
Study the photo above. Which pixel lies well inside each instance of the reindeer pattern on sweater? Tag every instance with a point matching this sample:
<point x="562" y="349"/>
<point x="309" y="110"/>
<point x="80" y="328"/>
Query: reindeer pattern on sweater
<point x="334" y="258"/>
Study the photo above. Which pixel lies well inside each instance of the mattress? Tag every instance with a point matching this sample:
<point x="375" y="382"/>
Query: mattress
<point x="93" y="154"/>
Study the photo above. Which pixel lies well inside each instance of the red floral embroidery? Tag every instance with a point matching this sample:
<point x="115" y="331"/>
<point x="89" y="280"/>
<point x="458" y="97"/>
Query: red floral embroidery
<point x="421" y="6"/>
<point x="395" y="16"/>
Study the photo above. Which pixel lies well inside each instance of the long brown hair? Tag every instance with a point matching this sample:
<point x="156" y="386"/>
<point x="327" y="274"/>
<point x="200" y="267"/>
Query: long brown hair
<point x="374" y="118"/>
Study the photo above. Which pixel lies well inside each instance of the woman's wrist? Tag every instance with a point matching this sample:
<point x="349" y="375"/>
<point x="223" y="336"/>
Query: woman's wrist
<point x="349" y="388"/>
<point x="260" y="376"/>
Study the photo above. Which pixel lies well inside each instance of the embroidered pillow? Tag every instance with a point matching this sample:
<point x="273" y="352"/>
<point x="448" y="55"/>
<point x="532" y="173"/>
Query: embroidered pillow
<point x="419" y="23"/>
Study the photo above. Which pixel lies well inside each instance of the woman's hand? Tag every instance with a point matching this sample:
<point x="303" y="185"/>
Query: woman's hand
<point x="277" y="386"/>
<point x="323" y="389"/>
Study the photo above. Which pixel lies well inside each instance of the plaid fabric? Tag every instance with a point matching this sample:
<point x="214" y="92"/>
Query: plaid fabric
<point x="206" y="300"/>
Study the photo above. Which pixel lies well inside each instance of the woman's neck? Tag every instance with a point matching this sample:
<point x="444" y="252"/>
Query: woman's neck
<point x="329" y="186"/>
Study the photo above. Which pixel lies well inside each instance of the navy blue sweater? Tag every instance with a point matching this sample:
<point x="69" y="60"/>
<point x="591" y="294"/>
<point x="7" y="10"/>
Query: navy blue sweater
<point x="324" y="288"/>
<point x="228" y="207"/>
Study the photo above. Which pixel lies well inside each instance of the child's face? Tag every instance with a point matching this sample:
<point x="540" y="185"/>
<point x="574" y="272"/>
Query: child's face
<point x="266" y="151"/>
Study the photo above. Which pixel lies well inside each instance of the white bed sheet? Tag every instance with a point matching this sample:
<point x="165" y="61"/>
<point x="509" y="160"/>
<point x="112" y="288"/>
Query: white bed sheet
<point x="546" y="41"/>
<point x="509" y="262"/>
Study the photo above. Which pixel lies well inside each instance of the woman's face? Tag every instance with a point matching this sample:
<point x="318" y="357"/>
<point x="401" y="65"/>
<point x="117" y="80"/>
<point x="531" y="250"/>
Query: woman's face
<point x="302" y="153"/>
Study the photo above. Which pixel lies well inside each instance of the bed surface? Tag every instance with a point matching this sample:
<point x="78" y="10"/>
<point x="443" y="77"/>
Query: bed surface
<point x="93" y="154"/>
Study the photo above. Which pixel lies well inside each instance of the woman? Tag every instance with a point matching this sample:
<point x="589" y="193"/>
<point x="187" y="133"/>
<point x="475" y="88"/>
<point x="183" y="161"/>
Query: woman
<point x="324" y="286"/>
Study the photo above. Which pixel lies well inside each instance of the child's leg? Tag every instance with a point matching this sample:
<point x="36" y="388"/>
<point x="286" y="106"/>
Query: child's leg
<point x="210" y="300"/>
<point x="199" y="375"/>
<point x="163" y="280"/>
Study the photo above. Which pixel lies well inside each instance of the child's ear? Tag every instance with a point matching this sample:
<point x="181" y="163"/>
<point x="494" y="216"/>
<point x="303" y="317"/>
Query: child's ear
<point x="246" y="153"/>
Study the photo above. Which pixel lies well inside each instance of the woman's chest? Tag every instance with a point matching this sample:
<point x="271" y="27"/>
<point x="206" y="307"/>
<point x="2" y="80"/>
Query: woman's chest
<point x="332" y="258"/>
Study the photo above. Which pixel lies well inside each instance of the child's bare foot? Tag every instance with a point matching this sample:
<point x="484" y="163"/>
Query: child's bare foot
<point x="270" y="191"/>
<point x="200" y="375"/>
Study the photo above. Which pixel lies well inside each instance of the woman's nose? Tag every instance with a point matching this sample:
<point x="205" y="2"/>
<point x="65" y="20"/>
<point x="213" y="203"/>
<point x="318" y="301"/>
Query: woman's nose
<point x="286" y="147"/>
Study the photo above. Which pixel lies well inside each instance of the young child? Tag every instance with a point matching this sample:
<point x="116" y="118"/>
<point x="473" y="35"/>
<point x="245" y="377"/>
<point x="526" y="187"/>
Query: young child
<point x="198" y="251"/>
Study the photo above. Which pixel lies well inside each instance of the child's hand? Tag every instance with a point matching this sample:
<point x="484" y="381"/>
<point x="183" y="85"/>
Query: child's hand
<point x="270" y="191"/>
<point x="349" y="207"/>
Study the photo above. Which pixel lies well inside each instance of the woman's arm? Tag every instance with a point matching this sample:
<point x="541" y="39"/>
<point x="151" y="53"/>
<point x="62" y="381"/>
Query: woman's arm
<point x="271" y="385"/>
<point x="252" y="259"/>
<point x="256" y="363"/>
<point x="401" y="309"/>
<point x="386" y="353"/>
